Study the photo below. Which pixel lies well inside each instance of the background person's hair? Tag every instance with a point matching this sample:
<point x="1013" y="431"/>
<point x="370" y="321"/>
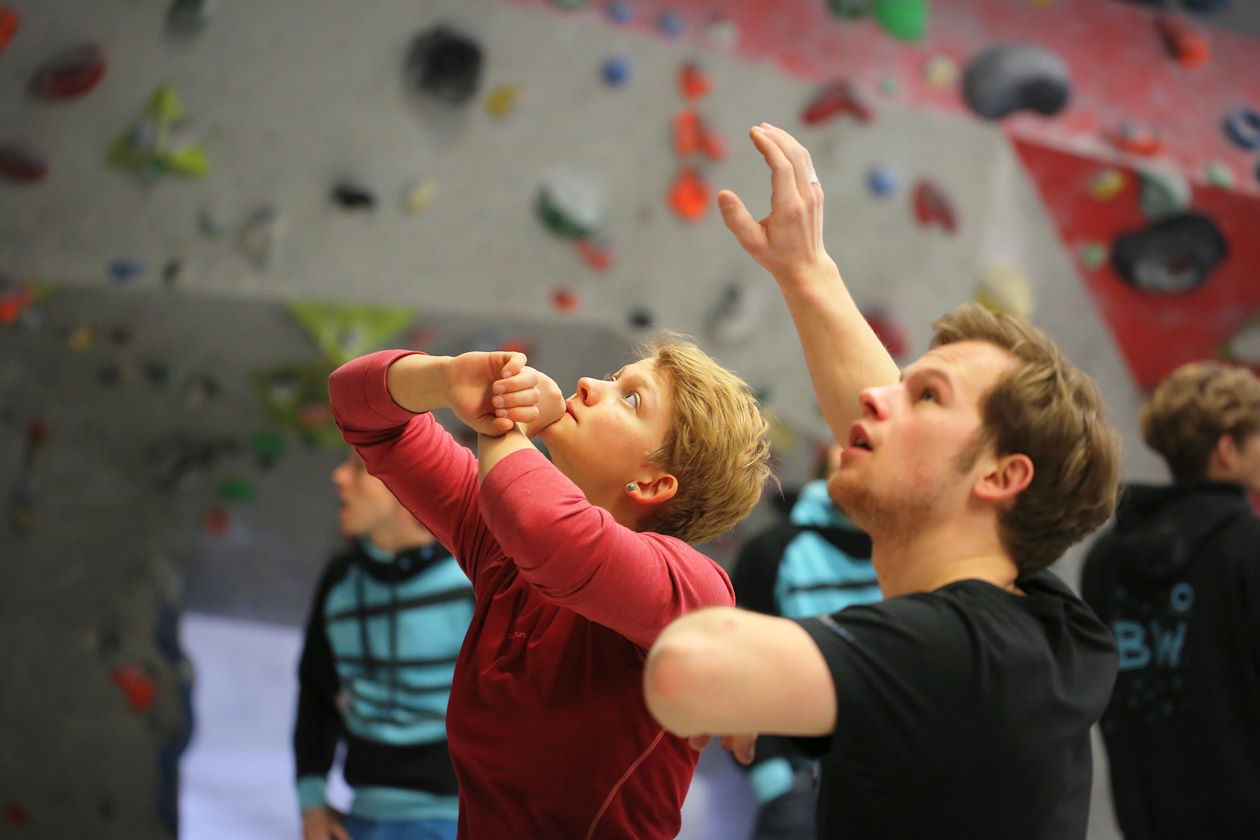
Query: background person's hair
<point x="1193" y="407"/>
<point x="1048" y="409"/>
<point x="718" y="446"/>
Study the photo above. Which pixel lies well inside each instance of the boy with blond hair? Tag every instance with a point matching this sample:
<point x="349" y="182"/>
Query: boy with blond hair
<point x="576" y="564"/>
<point x="1178" y="581"/>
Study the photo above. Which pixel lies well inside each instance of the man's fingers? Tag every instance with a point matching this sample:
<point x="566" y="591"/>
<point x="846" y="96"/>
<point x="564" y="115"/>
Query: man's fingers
<point x="740" y="222"/>
<point x="699" y="742"/>
<point x="339" y="831"/>
<point x="783" y="188"/>
<point x="802" y="163"/>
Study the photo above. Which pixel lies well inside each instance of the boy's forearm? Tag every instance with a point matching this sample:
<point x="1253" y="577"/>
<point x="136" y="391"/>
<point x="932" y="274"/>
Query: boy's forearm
<point x="842" y="352"/>
<point x="418" y="383"/>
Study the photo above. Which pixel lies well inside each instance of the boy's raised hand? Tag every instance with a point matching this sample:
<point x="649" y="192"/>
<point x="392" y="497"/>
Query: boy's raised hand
<point x="788" y="242"/>
<point x="550" y="403"/>
<point x="492" y="392"/>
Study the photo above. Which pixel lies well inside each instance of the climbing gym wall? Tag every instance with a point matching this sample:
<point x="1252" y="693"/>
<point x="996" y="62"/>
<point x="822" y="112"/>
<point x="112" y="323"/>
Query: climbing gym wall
<point x="205" y="206"/>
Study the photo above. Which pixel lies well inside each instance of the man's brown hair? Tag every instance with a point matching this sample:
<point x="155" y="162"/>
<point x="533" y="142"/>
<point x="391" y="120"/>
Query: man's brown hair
<point x="1048" y="409"/>
<point x="1193" y="407"/>
<point x="718" y="446"/>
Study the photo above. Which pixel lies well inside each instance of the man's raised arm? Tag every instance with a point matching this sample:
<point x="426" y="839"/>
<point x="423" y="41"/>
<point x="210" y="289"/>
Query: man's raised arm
<point x="842" y="352"/>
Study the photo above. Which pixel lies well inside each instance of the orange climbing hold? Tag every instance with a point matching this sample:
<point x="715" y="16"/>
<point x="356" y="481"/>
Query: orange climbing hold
<point x="564" y="300"/>
<point x="693" y="137"/>
<point x="689" y="196"/>
<point x="136" y="684"/>
<point x="1135" y="140"/>
<point x="1183" y="42"/>
<point x="692" y="81"/>
<point x="594" y="253"/>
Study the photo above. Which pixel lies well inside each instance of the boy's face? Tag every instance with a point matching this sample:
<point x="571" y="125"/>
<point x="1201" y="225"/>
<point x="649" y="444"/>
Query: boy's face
<point x="367" y="506"/>
<point x="906" y="460"/>
<point x="610" y="429"/>
<point x="1247" y="468"/>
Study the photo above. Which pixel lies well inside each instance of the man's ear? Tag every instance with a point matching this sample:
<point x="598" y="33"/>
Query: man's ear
<point x="655" y="490"/>
<point x="1226" y="452"/>
<point x="1009" y="476"/>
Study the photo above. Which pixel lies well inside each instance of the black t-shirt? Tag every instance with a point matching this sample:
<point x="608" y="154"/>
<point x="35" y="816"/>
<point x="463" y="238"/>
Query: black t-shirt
<point x="962" y="712"/>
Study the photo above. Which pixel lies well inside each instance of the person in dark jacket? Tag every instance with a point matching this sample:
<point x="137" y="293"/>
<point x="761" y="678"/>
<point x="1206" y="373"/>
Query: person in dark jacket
<point x="386" y="624"/>
<point x="817" y="562"/>
<point x="1178" y="581"/>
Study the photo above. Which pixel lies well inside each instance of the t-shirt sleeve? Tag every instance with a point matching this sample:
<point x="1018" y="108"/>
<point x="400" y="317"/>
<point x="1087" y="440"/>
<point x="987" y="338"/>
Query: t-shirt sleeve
<point x="576" y="555"/>
<point x="425" y="468"/>
<point x="899" y="669"/>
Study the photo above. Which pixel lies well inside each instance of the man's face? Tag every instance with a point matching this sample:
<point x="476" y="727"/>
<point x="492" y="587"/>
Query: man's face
<point x="904" y="461"/>
<point x="611" y="427"/>
<point x="1247" y="470"/>
<point x="366" y="503"/>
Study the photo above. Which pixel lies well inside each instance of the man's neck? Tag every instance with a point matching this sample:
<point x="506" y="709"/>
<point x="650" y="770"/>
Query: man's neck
<point x="910" y="560"/>
<point x="394" y="543"/>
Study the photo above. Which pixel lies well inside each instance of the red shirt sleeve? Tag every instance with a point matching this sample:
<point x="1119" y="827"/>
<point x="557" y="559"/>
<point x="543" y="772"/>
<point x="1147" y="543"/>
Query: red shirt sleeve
<point x="577" y="556"/>
<point x="423" y="466"/>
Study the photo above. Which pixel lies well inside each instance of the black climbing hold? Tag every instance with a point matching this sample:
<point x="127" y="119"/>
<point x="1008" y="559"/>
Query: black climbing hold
<point x="1172" y="256"/>
<point x="1016" y="77"/>
<point x="445" y="64"/>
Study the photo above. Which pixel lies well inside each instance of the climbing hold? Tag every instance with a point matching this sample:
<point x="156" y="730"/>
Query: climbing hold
<point x="837" y="99"/>
<point x="501" y="100"/>
<point x="1183" y="42"/>
<point x="933" y="207"/>
<point x="692" y="81"/>
<point x="81" y="338"/>
<point x="940" y="71"/>
<point x="616" y="71"/>
<point x="216" y="522"/>
<point x="889" y="332"/>
<point x="692" y="136"/>
<point x="108" y="374"/>
<point x="849" y="9"/>
<point x="518" y="345"/>
<point x="9" y="25"/>
<point x="259" y="237"/>
<point x="720" y="32"/>
<point x="121" y="336"/>
<point x="1244" y="345"/>
<point x="596" y="253"/>
<point x="71" y="74"/>
<point x="881" y="180"/>
<point x="1242" y="127"/>
<point x="20" y="165"/>
<point x="268" y="447"/>
<point x="171" y="271"/>
<point x="737" y="315"/>
<point x="353" y="195"/>
<point x="311" y="416"/>
<point x="161" y="140"/>
<point x="1005" y="288"/>
<point x="1174" y="255"/>
<point x="1206" y="7"/>
<point x="445" y="64"/>
<point x="620" y="11"/>
<point x="14" y="299"/>
<point x="201" y="389"/>
<point x="689" y="195"/>
<point x="189" y="17"/>
<point x="1136" y="140"/>
<point x="906" y="20"/>
<point x="1093" y="254"/>
<point x="640" y="318"/>
<point x="418" y="196"/>
<point x="1163" y="192"/>
<point x="1219" y="175"/>
<point x="671" y="23"/>
<point x="564" y="300"/>
<point x="16" y="815"/>
<point x="136" y="685"/>
<point x="1016" y="77"/>
<point x="156" y="373"/>
<point x="235" y="489"/>
<point x="1107" y="184"/>
<point x="570" y="206"/>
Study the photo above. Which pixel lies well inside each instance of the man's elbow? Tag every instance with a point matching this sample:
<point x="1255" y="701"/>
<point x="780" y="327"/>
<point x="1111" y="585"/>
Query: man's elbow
<point x="679" y="677"/>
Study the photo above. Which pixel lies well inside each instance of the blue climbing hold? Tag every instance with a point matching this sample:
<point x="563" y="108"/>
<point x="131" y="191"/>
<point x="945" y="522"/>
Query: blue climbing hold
<point x="1206" y="7"/>
<point x="620" y="11"/>
<point x="1242" y="127"/>
<point x="616" y="71"/>
<point x="125" y="270"/>
<point x="881" y="180"/>
<point x="671" y="23"/>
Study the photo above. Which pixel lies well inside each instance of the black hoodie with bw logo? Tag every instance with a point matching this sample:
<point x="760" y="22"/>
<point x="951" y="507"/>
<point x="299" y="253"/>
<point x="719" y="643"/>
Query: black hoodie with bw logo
<point x="1177" y="579"/>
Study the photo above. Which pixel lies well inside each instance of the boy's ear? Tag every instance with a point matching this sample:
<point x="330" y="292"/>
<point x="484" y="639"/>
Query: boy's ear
<point x="655" y="490"/>
<point x="1010" y="476"/>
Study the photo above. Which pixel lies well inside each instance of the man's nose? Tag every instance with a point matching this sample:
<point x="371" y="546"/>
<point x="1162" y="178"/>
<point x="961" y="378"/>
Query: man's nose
<point x="875" y="402"/>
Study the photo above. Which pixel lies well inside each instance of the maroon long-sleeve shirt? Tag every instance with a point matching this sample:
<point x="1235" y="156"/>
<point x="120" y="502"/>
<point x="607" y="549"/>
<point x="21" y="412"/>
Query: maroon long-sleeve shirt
<point x="548" y="729"/>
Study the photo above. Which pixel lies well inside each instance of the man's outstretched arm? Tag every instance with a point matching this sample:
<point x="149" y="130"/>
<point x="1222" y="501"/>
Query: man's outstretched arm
<point x="842" y="352"/>
<point x="724" y="670"/>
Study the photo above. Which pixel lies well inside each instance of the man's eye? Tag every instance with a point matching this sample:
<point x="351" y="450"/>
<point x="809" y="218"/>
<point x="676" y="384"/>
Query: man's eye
<point x="633" y="398"/>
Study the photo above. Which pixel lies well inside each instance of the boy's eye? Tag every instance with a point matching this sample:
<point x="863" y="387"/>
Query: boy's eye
<point x="633" y="399"/>
<point x="928" y="394"/>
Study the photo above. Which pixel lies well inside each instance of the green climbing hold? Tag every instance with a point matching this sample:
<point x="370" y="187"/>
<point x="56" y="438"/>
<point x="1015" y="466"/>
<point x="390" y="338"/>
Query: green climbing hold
<point x="570" y="4"/>
<point x="268" y="444"/>
<point x="906" y="20"/>
<point x="849" y="9"/>
<point x="1093" y="254"/>
<point x="1220" y="175"/>
<point x="569" y="206"/>
<point x="235" y="490"/>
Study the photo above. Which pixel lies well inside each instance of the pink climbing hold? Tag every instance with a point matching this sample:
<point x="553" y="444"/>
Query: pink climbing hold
<point x="837" y="99"/>
<point x="71" y="74"/>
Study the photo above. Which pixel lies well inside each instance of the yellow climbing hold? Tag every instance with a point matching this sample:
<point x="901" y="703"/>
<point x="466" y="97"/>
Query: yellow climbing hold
<point x="1107" y="184"/>
<point x="1005" y="288"/>
<point x="940" y="71"/>
<point x="501" y="100"/>
<point x="419" y="196"/>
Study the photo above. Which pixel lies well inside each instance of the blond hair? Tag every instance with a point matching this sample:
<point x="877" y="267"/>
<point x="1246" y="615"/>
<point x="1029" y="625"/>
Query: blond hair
<point x="718" y="446"/>
<point x="1193" y="407"/>
<point x="1048" y="409"/>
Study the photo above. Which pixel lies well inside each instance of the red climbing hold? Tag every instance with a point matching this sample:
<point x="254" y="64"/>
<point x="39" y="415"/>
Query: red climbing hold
<point x="21" y="166"/>
<point x="1135" y="140"/>
<point x="217" y="521"/>
<point x="564" y="300"/>
<point x="1182" y="42"/>
<point x="8" y="26"/>
<point x="693" y="137"/>
<point x="13" y="302"/>
<point x="836" y="99"/>
<point x="889" y="333"/>
<point x="136" y="684"/>
<point x="16" y="816"/>
<point x="689" y="196"/>
<point x="933" y="207"/>
<point x="692" y="82"/>
<point x="595" y="253"/>
<point x="70" y="74"/>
